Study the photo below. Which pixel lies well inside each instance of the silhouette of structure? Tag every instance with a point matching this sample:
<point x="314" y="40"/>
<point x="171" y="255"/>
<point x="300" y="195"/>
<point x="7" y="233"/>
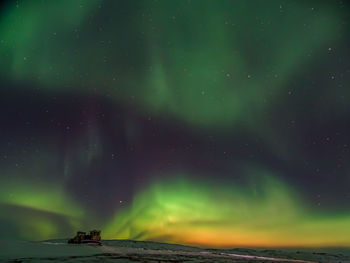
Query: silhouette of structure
<point x="82" y="238"/>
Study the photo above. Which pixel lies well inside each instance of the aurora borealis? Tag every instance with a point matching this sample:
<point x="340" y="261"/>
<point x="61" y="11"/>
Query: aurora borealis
<point x="209" y="123"/>
<point x="185" y="212"/>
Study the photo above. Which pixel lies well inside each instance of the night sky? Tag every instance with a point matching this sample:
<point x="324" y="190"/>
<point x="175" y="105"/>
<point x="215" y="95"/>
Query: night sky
<point x="213" y="123"/>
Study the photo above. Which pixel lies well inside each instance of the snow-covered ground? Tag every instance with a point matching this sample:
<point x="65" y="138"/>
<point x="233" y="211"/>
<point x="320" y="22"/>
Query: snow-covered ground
<point x="137" y="251"/>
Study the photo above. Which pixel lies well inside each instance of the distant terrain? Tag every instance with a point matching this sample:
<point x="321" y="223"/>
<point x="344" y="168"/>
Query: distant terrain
<point x="145" y="251"/>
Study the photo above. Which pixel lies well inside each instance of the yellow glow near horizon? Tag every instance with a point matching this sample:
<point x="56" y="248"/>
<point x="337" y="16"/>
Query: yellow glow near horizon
<point x="213" y="215"/>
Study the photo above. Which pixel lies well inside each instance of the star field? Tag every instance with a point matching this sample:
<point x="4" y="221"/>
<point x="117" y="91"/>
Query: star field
<point x="196" y="122"/>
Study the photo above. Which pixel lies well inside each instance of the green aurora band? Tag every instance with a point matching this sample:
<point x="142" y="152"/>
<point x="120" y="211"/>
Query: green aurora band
<point x="187" y="211"/>
<point x="179" y="64"/>
<point x="38" y="211"/>
<point x="266" y="214"/>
